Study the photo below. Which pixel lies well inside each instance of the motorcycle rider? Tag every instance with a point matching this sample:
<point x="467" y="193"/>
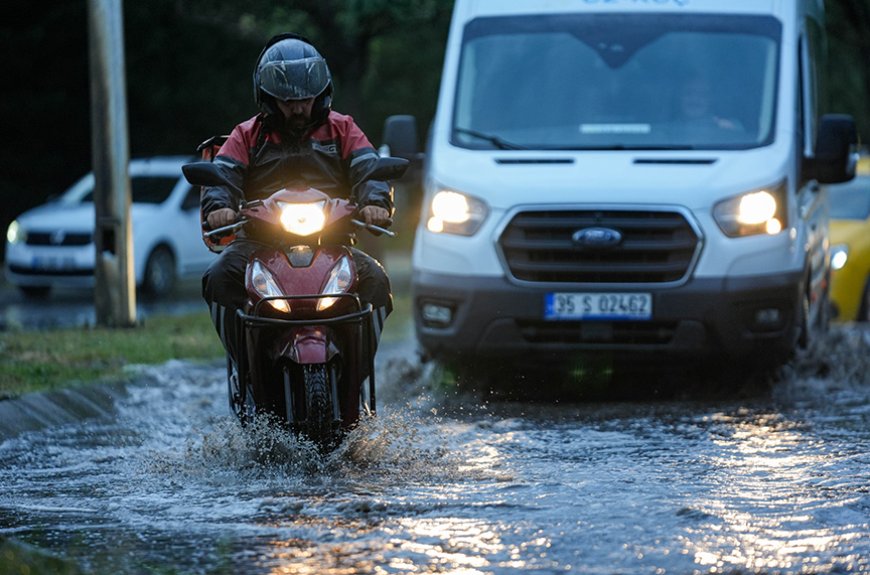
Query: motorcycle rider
<point x="296" y="140"/>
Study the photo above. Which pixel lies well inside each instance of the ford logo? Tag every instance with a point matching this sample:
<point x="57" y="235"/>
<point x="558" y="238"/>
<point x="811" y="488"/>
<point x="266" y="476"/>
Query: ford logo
<point x="597" y="238"/>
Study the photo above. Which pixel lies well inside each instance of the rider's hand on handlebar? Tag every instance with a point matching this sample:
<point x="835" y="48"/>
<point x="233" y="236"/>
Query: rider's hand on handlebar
<point x="221" y="217"/>
<point x="376" y="215"/>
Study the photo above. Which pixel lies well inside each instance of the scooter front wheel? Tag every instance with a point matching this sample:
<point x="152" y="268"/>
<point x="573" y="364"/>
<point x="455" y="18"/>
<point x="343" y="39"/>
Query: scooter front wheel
<point x="322" y="423"/>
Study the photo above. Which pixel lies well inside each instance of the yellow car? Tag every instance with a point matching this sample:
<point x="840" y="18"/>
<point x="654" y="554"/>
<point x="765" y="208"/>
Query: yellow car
<point x="850" y="246"/>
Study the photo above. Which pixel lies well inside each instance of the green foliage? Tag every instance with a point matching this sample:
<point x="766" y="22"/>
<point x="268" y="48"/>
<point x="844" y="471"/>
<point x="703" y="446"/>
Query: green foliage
<point x="39" y="360"/>
<point x="18" y="558"/>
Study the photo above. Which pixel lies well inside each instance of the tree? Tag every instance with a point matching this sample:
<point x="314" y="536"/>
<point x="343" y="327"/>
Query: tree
<point x="355" y="36"/>
<point x="849" y="53"/>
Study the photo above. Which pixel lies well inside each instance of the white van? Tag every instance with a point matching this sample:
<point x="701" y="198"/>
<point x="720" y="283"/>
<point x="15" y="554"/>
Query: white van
<point x="632" y="177"/>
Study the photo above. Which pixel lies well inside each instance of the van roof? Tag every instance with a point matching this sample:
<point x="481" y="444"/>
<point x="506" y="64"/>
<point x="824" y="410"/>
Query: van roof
<point x="470" y="8"/>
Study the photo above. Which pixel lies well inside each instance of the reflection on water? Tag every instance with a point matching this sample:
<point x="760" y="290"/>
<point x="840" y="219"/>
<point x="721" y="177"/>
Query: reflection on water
<point x="445" y="484"/>
<point x="770" y="510"/>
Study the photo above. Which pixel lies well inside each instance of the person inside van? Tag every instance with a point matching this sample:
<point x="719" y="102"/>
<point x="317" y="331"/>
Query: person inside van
<point x="696" y="110"/>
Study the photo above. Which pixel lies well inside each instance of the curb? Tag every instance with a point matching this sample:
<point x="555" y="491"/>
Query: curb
<point x="38" y="410"/>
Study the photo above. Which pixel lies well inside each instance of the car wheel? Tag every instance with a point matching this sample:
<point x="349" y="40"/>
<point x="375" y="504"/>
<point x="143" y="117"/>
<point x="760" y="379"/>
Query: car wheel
<point x="31" y="292"/>
<point x="864" y="309"/>
<point x="159" y="272"/>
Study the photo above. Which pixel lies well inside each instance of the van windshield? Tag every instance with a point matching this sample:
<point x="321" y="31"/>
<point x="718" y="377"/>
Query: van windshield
<point x="608" y="81"/>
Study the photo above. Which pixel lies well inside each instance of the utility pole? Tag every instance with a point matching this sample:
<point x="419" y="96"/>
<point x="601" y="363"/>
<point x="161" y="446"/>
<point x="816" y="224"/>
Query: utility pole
<point x="115" y="287"/>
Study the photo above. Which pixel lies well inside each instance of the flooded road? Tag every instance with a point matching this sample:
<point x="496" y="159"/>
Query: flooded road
<point x="443" y="483"/>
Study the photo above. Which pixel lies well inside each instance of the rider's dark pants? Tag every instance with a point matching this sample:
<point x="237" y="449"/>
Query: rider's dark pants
<point x="223" y="288"/>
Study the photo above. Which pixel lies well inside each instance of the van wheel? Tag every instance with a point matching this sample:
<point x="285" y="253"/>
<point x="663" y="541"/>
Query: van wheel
<point x="804" y="327"/>
<point x="159" y="272"/>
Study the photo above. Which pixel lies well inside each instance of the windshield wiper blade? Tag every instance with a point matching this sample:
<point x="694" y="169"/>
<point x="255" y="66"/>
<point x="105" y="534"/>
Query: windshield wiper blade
<point x="496" y="141"/>
<point x="622" y="147"/>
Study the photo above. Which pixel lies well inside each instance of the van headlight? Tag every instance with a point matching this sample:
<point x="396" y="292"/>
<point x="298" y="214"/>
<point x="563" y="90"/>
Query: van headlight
<point x="15" y="233"/>
<point x="454" y="213"/>
<point x="302" y="219"/>
<point x="753" y="213"/>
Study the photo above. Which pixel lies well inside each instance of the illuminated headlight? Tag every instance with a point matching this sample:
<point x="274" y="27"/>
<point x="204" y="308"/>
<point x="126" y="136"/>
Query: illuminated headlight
<point x="266" y="286"/>
<point x="839" y="256"/>
<point x="759" y="212"/>
<point x="455" y="213"/>
<point x="302" y="219"/>
<point x="340" y="278"/>
<point x="15" y="233"/>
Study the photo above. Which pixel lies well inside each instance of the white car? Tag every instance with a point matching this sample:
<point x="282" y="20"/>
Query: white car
<point x="52" y="245"/>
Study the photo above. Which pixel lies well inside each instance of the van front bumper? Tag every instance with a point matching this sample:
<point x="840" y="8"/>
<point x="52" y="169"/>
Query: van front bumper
<point x="751" y="318"/>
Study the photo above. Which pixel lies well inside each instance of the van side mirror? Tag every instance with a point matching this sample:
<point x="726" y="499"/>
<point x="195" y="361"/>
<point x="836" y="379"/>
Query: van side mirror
<point x="400" y="136"/>
<point x="834" y="161"/>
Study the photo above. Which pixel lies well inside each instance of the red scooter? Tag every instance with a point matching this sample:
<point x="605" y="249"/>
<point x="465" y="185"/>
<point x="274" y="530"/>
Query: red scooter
<point x="306" y="339"/>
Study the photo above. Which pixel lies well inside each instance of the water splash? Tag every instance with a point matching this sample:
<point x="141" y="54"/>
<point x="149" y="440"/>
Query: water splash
<point x="837" y="365"/>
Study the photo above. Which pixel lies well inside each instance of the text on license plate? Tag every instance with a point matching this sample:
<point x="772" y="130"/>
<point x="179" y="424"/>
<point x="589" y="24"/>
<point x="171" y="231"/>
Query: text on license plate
<point x="600" y="306"/>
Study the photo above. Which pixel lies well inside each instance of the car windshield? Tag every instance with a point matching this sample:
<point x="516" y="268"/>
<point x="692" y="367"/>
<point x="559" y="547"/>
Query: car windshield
<point x="605" y="81"/>
<point x="850" y="201"/>
<point x="145" y="189"/>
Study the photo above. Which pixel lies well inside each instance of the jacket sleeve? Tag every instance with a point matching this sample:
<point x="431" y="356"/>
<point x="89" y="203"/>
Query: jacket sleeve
<point x="232" y="159"/>
<point x="369" y="192"/>
<point x="362" y="158"/>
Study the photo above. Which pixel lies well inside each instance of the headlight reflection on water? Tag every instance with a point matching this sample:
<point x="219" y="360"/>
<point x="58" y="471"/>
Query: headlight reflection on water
<point x="765" y="499"/>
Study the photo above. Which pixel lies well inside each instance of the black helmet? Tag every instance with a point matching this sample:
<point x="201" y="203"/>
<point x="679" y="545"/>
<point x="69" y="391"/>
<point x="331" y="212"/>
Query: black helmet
<point x="290" y="68"/>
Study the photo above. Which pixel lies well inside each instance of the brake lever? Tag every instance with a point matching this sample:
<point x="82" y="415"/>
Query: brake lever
<point x="237" y="225"/>
<point x="374" y="228"/>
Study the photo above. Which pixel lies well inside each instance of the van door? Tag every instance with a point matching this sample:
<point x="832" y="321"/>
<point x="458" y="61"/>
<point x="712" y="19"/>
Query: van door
<point x="812" y="197"/>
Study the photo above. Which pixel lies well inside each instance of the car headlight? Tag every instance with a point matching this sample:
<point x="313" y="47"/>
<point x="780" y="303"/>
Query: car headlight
<point x="839" y="256"/>
<point x="753" y="213"/>
<point x="16" y="234"/>
<point x="266" y="286"/>
<point x="455" y="213"/>
<point x="302" y="219"/>
<point x="340" y="278"/>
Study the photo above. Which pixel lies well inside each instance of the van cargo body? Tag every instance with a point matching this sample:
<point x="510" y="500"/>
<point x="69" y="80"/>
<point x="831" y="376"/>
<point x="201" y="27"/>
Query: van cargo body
<point x="637" y="177"/>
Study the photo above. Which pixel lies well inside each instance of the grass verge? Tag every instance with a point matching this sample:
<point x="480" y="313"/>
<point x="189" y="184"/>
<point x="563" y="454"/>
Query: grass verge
<point x="49" y="359"/>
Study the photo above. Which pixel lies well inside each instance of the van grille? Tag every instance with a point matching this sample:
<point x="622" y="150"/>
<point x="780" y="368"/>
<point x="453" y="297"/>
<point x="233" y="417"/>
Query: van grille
<point x="655" y="247"/>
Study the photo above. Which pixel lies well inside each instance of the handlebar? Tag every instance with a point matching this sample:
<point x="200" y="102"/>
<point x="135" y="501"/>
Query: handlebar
<point x="235" y="226"/>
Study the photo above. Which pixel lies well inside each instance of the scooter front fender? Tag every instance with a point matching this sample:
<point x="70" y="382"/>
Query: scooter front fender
<point x="310" y="345"/>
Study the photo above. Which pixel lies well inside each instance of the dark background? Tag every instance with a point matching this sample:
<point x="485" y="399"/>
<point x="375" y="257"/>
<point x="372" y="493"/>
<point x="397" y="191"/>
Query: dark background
<point x="189" y="66"/>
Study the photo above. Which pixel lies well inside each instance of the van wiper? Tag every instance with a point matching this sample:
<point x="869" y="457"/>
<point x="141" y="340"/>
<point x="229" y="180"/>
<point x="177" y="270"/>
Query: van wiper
<point x="623" y="147"/>
<point x="496" y="141"/>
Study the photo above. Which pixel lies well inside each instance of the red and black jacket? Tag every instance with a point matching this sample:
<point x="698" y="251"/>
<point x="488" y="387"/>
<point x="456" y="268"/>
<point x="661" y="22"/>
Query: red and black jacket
<point x="333" y="157"/>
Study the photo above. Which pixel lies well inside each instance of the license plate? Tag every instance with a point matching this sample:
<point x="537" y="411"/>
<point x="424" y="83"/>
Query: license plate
<point x="598" y="306"/>
<point x="53" y="263"/>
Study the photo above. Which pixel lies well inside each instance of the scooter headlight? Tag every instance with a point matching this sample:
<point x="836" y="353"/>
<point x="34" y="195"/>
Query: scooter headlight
<point x="340" y="278"/>
<point x="266" y="286"/>
<point x="303" y="219"/>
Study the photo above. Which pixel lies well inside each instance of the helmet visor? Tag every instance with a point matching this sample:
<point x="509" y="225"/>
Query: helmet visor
<point x="294" y="79"/>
